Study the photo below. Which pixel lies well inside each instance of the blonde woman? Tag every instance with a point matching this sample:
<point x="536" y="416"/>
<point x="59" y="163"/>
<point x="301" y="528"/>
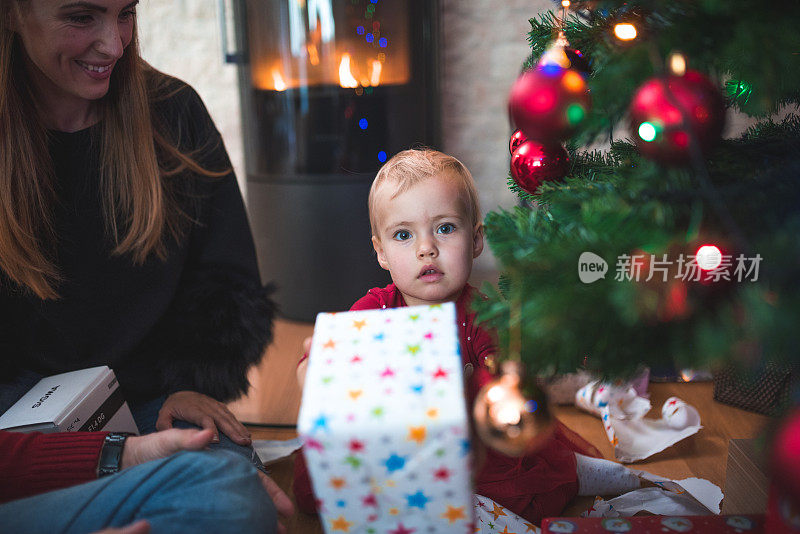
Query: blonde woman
<point x="123" y="237"/>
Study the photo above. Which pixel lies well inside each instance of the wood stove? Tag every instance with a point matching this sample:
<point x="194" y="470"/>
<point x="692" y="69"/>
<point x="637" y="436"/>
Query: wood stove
<point x="330" y="89"/>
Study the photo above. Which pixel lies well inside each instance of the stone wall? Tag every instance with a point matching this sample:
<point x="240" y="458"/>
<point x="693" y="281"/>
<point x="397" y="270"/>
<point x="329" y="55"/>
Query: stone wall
<point x="484" y="45"/>
<point x="182" y="38"/>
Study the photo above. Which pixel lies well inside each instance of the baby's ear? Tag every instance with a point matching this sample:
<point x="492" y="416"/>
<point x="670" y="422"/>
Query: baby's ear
<point x="477" y="240"/>
<point x="378" y="246"/>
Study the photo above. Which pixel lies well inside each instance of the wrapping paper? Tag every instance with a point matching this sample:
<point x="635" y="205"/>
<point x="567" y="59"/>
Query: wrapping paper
<point x="492" y="518"/>
<point x="383" y="422"/>
<point x="622" y="411"/>
<point x="690" y="496"/>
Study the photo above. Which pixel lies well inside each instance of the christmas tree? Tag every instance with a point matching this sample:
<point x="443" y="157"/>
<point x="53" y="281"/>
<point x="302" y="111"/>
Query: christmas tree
<point x="667" y="186"/>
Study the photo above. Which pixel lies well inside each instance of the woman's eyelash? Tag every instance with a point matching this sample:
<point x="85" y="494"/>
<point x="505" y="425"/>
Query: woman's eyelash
<point x="79" y="19"/>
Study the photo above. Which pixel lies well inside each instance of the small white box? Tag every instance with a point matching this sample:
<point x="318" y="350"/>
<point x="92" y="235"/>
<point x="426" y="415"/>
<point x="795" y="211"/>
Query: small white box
<point x="87" y="400"/>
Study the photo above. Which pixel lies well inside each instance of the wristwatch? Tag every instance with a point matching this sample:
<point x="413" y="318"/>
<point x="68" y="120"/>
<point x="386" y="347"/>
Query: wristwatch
<point x="111" y="453"/>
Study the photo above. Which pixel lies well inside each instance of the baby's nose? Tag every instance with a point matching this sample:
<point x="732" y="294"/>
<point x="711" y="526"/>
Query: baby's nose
<point x="426" y="248"/>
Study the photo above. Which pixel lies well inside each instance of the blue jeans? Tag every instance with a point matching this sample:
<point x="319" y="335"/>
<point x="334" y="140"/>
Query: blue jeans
<point x="146" y="414"/>
<point x="189" y="492"/>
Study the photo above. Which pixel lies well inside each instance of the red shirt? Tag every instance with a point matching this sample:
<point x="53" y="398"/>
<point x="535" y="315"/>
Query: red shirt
<point x="35" y="463"/>
<point x="476" y="343"/>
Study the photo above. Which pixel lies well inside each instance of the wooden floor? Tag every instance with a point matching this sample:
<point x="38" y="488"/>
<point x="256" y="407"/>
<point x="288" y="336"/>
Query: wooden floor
<point x="275" y="400"/>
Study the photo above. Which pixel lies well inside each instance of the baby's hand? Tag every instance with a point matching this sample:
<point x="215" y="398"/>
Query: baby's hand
<point x="302" y="367"/>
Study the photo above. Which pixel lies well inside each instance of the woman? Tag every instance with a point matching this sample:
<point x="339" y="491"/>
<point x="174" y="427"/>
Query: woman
<point x="123" y="237"/>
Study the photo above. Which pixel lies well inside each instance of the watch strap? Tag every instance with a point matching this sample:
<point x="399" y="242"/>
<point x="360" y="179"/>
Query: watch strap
<point x="111" y="453"/>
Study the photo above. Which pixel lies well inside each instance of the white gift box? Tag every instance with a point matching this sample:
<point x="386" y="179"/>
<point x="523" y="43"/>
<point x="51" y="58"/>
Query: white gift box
<point x="384" y="423"/>
<point x="87" y="400"/>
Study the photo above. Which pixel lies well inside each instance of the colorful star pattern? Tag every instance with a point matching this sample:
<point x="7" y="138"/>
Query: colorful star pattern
<point x="442" y="474"/>
<point x="418" y="500"/>
<point x="387" y="373"/>
<point x="340" y="524"/>
<point x="453" y="514"/>
<point x="386" y="393"/>
<point x="353" y="461"/>
<point x="394" y="463"/>
<point x="497" y="512"/>
<point x="440" y="373"/>
<point x="416" y="433"/>
<point x="489" y="519"/>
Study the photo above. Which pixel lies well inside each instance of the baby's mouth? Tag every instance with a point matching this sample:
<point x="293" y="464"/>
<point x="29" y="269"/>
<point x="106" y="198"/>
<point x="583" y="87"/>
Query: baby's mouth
<point x="430" y="273"/>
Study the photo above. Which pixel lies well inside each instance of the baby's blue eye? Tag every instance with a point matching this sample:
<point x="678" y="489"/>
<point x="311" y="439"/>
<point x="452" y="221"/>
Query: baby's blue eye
<point x="402" y="235"/>
<point x="446" y="228"/>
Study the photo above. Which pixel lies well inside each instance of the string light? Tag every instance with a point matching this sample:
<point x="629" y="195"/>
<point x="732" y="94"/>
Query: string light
<point x="708" y="257"/>
<point x="625" y="31"/>
<point x="677" y="63"/>
<point x="647" y="131"/>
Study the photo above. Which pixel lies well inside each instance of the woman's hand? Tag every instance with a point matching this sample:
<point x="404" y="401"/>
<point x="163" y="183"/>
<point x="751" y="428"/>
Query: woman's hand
<point x="202" y="411"/>
<point x="140" y="449"/>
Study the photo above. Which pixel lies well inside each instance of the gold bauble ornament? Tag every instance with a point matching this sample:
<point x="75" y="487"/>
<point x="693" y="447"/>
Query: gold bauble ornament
<point x="511" y="415"/>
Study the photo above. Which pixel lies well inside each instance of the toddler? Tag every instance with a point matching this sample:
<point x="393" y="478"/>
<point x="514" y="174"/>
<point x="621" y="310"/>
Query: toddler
<point x="426" y="231"/>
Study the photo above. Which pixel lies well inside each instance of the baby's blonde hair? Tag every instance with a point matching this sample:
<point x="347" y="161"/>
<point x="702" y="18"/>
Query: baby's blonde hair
<point x="410" y="167"/>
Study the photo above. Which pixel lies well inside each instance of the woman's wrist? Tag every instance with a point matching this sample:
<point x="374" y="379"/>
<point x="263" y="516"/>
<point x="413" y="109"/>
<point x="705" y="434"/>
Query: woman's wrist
<point x="112" y="454"/>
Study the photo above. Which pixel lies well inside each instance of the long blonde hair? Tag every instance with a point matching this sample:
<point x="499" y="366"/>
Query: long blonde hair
<point x="139" y="210"/>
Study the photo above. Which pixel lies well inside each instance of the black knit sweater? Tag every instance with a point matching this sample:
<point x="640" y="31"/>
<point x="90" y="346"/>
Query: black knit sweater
<point x="196" y="320"/>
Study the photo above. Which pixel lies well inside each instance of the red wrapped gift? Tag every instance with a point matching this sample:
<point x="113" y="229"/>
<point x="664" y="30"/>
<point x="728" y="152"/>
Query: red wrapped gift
<point x="710" y="524"/>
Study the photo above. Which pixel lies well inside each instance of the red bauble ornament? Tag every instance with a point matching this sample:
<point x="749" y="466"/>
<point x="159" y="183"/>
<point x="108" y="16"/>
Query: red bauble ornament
<point x="517" y="138"/>
<point x="786" y="456"/>
<point x="657" y="116"/>
<point x="547" y="103"/>
<point x="534" y="163"/>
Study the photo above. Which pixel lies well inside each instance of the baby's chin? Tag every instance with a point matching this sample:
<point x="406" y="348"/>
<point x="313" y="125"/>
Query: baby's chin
<point x="431" y="298"/>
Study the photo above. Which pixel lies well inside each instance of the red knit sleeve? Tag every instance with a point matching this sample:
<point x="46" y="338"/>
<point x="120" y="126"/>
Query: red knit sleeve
<point x="35" y="463"/>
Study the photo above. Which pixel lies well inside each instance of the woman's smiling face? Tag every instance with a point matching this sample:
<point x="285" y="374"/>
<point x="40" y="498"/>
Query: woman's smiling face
<point x="71" y="47"/>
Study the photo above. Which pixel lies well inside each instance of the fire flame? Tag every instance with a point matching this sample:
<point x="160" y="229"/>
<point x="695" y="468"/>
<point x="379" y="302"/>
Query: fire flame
<point x="277" y="79"/>
<point x="375" y="72"/>
<point x="346" y="78"/>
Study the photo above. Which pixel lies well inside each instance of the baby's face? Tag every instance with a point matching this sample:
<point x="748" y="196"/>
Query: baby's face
<point x="426" y="240"/>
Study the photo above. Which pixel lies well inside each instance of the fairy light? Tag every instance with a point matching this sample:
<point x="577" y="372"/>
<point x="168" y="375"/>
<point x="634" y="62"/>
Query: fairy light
<point x="647" y="131"/>
<point x="677" y="63"/>
<point x="625" y="31"/>
<point x="708" y="257"/>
